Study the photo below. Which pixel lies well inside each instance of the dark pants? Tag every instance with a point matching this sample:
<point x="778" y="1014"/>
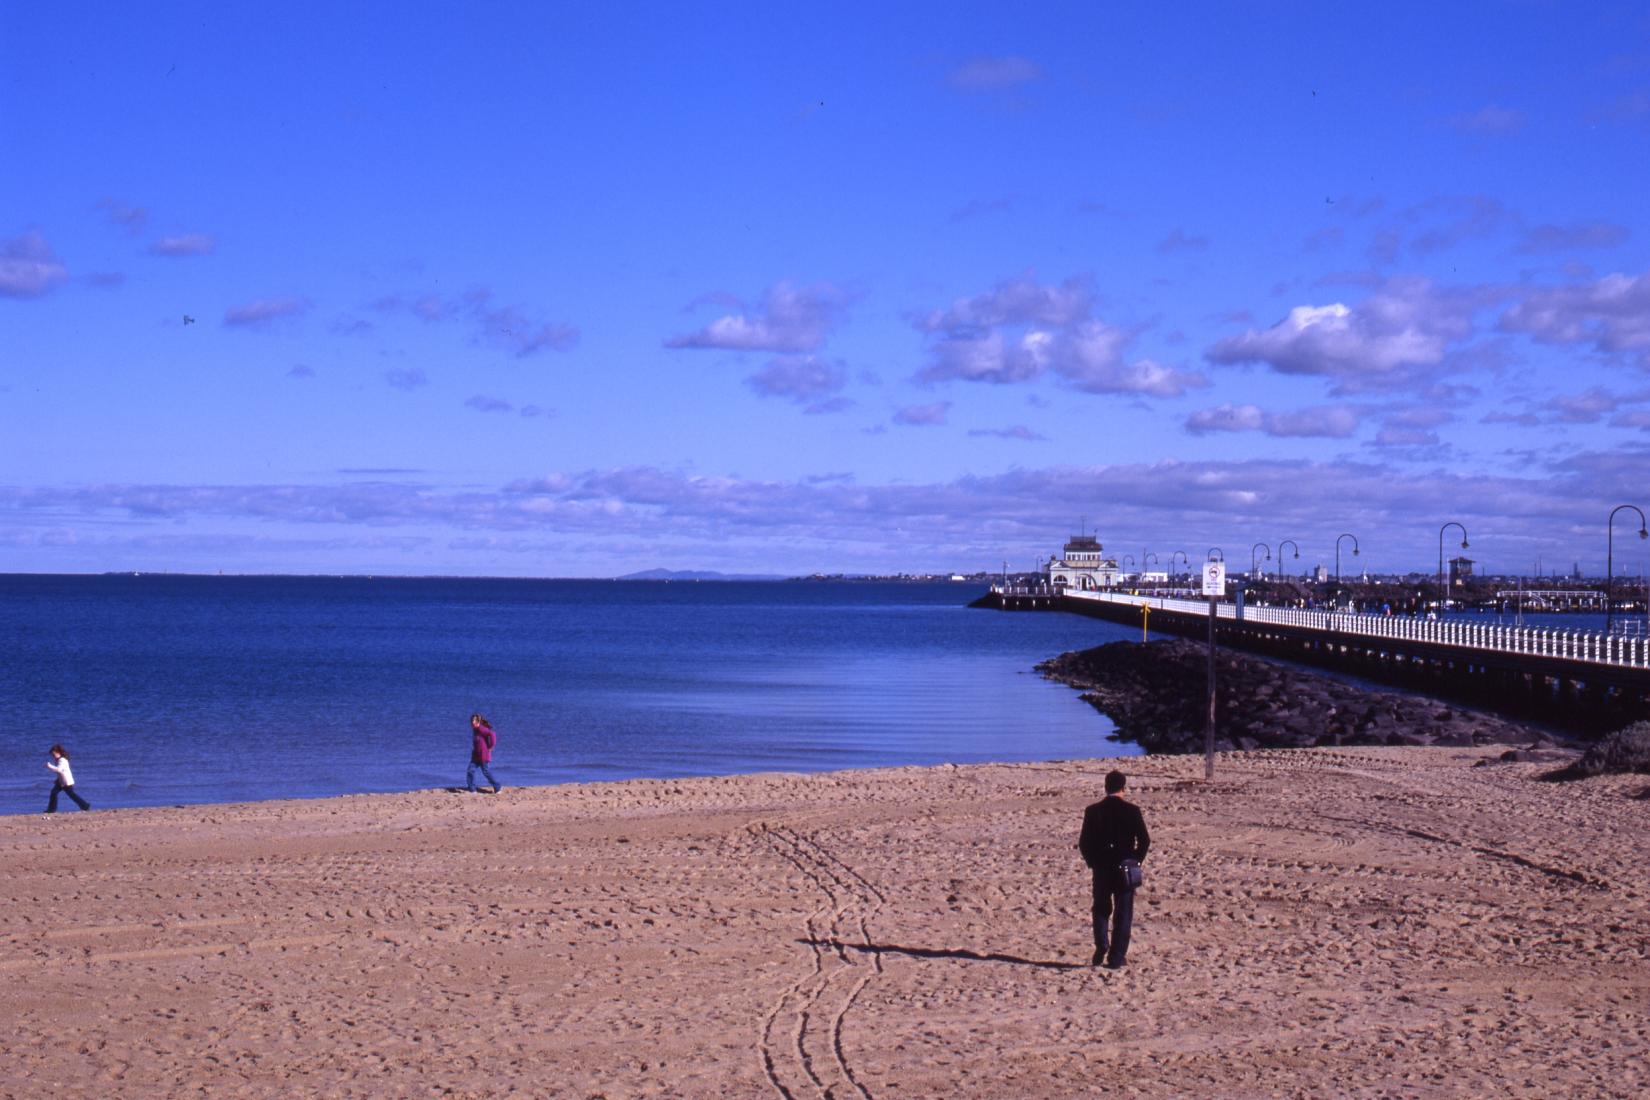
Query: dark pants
<point x="51" y="803"/>
<point x="1113" y="906"/>
<point x="470" y="776"/>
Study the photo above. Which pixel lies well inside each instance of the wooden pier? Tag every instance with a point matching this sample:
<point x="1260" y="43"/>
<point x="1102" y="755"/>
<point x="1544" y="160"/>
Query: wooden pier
<point x="1581" y="680"/>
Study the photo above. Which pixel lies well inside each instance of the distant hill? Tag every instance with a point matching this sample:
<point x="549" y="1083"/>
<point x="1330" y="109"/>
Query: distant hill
<point x="696" y="575"/>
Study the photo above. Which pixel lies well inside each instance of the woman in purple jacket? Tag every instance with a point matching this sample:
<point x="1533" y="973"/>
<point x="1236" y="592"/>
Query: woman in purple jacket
<point x="482" y="740"/>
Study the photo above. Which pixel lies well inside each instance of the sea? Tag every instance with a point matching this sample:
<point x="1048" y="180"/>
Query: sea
<point x="174" y="690"/>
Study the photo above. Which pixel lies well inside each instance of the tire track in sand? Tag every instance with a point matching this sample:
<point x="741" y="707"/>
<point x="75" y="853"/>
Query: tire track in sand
<point x="813" y="1063"/>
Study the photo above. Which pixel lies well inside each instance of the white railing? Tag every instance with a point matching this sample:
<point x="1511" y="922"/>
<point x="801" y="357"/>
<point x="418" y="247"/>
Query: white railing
<point x="1591" y="647"/>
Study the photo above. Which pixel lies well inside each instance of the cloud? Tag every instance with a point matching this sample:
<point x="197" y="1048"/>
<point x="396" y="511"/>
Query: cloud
<point x="972" y="519"/>
<point x="1021" y="329"/>
<point x="1587" y="407"/>
<point x="133" y="219"/>
<point x="791" y="319"/>
<point x="1018" y="431"/>
<point x="28" y="268"/>
<point x="924" y="415"/>
<point x="1412" y="427"/>
<point x="1612" y="314"/>
<point x="185" y="244"/>
<point x="483" y="403"/>
<point x="300" y="371"/>
<point x="1322" y="421"/>
<point x="805" y="379"/>
<point x="994" y="73"/>
<point x="509" y="327"/>
<point x="264" y="312"/>
<point x="1378" y="342"/>
<point x="1489" y="121"/>
<point x="1456" y="219"/>
<point x="406" y="378"/>
<point x="1089" y="359"/>
<point x="1177" y="241"/>
<point x="1543" y="239"/>
<point x="1021" y="301"/>
<point x="105" y="280"/>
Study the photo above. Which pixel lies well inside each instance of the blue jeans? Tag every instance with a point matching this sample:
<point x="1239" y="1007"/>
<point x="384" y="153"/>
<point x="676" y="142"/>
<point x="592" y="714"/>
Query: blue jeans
<point x="470" y="776"/>
<point x="1113" y="906"/>
<point x="51" y="803"/>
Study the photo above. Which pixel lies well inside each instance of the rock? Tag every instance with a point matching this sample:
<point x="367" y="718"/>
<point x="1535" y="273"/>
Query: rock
<point x="1154" y="693"/>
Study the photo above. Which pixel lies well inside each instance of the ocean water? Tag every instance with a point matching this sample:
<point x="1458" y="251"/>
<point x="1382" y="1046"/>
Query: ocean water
<point x="211" y="689"/>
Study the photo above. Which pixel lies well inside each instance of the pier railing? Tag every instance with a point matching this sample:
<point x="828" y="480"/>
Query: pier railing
<point x="1591" y="647"/>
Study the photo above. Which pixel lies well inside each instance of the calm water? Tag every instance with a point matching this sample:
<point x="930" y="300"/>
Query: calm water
<point x="208" y="689"/>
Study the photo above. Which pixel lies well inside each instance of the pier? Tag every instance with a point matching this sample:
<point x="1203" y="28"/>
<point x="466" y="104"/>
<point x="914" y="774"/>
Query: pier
<point x="1588" y="681"/>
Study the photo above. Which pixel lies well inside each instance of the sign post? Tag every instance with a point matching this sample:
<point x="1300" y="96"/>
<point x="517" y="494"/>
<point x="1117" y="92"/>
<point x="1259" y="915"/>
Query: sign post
<point x="1214" y="587"/>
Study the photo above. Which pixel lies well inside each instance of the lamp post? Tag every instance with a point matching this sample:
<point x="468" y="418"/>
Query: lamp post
<point x="1143" y="557"/>
<point x="1291" y="542"/>
<point x="1252" y="549"/>
<point x="1442" y="587"/>
<point x="1610" y="559"/>
<point x="1213" y="550"/>
<point x="1181" y="554"/>
<point x="1354" y="539"/>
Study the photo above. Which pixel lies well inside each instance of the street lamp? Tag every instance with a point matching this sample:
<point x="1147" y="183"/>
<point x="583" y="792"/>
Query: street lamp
<point x="1444" y="599"/>
<point x="1291" y="542"/>
<point x="1213" y="550"/>
<point x="1252" y="549"/>
<point x="1182" y="555"/>
<point x="1354" y="539"/>
<point x="1143" y="557"/>
<point x="1610" y="559"/>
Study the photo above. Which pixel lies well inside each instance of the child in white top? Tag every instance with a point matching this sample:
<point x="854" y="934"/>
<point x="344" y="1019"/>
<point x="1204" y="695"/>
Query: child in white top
<point x="59" y="763"/>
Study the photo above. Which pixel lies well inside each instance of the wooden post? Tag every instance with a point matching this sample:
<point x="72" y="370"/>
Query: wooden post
<point x="1209" y="724"/>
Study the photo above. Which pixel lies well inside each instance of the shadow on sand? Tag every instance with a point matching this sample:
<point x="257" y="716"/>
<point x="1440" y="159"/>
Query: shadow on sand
<point x="940" y="953"/>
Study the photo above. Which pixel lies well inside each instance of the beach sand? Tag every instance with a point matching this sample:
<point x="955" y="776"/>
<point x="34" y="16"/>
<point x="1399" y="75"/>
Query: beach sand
<point x="1370" y="922"/>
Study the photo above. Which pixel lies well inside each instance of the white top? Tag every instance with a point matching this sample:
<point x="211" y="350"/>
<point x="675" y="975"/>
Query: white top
<point x="64" y="774"/>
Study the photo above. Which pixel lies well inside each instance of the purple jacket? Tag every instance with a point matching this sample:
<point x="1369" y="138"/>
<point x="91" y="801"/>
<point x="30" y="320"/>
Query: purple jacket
<point x="481" y="748"/>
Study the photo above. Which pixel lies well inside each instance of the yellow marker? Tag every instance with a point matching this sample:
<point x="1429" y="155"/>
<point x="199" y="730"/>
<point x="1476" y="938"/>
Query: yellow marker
<point x="1145" y="620"/>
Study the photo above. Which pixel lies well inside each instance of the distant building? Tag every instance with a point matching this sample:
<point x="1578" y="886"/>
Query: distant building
<point x="1082" y="565"/>
<point x="1459" y="570"/>
<point x="1321" y="574"/>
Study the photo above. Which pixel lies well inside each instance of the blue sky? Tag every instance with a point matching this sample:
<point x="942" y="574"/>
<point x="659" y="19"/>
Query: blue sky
<point x="528" y="289"/>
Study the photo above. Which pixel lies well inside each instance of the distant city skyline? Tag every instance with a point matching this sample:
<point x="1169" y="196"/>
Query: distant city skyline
<point x="528" y="290"/>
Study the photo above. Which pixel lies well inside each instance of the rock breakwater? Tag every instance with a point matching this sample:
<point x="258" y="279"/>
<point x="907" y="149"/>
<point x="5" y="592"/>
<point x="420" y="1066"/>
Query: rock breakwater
<point x="1155" y="693"/>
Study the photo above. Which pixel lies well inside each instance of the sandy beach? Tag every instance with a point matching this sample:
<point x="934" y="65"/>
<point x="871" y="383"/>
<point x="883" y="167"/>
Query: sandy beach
<point x="1324" y="922"/>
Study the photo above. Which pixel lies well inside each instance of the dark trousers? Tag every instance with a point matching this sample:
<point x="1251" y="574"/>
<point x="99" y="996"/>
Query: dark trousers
<point x="51" y="803"/>
<point x="470" y="776"/>
<point x="1115" y="907"/>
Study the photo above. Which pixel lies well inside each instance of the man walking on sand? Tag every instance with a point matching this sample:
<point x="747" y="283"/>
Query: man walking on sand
<point x="1113" y="831"/>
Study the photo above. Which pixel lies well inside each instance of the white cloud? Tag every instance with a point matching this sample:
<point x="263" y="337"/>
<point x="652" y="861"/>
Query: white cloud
<point x="994" y="73"/>
<point x="791" y="319"/>
<point x="28" y="268"/>
<point x="1021" y="329"/>
<point x="1612" y="314"/>
<point x="1322" y="421"/>
<point x="184" y="244"/>
<point x="923" y="415"/>
<point x="806" y="379"/>
<point x="264" y="312"/>
<point x="1377" y="342"/>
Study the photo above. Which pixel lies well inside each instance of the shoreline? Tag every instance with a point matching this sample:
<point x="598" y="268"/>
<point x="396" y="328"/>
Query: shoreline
<point x="1383" y="918"/>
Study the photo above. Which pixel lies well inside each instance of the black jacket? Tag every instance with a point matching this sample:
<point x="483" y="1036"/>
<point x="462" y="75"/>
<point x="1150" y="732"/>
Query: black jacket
<point x="1113" y="830"/>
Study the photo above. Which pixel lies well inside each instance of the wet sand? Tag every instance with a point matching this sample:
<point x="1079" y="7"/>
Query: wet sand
<point x="1325" y="922"/>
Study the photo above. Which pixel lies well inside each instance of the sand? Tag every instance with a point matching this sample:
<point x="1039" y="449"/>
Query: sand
<point x="1373" y="922"/>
